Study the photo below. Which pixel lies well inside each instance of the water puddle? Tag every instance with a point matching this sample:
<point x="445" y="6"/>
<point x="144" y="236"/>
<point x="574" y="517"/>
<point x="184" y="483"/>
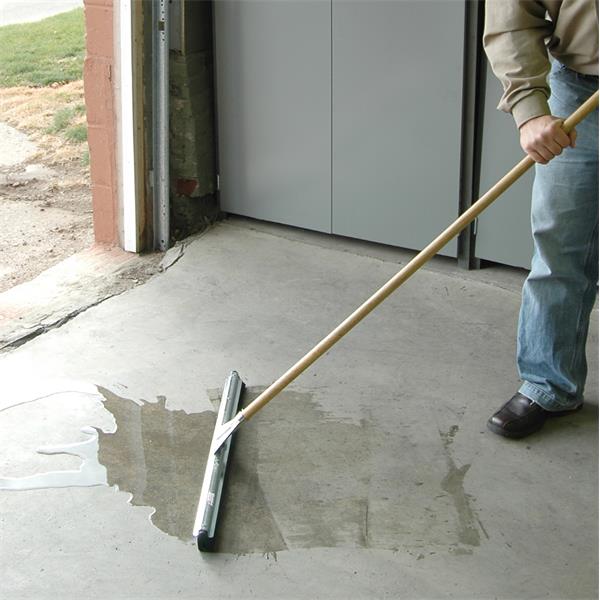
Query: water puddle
<point x="297" y="476"/>
<point x="90" y="473"/>
<point x="453" y="484"/>
<point x="157" y="456"/>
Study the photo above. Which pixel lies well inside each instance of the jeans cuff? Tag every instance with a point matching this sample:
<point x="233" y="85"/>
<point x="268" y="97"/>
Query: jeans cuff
<point x="545" y="400"/>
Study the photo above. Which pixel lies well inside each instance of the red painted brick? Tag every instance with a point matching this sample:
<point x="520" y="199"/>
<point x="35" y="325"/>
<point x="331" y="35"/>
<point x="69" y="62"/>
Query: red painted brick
<point x="99" y="31"/>
<point x="105" y="214"/>
<point x="98" y="3"/>
<point x="100" y="109"/>
<point x="101" y="144"/>
<point x="98" y="88"/>
<point x="186" y="187"/>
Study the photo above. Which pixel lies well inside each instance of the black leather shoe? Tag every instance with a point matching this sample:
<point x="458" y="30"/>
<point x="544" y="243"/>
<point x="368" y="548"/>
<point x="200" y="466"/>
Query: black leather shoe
<point x="520" y="417"/>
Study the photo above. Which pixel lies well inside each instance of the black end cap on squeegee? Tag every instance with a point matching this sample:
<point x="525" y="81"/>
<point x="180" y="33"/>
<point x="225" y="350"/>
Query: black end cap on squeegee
<point x="205" y="543"/>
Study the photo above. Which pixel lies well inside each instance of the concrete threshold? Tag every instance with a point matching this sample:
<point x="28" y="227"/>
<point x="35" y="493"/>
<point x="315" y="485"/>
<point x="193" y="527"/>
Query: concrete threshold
<point x="69" y="288"/>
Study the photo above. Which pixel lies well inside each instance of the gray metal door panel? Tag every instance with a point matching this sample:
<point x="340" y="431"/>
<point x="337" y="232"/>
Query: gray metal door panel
<point x="273" y="70"/>
<point x="397" y="93"/>
<point x="503" y="230"/>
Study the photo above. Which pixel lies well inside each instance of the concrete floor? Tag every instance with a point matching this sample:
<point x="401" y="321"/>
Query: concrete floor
<point x="373" y="476"/>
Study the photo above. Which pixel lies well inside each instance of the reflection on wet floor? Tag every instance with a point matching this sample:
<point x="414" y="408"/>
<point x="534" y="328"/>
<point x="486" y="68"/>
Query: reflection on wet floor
<point x="297" y="477"/>
<point x="158" y="456"/>
<point x="90" y="473"/>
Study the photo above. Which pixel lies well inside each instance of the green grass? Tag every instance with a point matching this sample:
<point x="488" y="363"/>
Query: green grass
<point x="62" y="124"/>
<point x="45" y="52"/>
<point x="77" y="133"/>
<point x="63" y="118"/>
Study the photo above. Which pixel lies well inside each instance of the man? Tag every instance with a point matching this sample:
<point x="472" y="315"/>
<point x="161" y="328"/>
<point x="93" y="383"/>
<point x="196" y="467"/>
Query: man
<point x="560" y="290"/>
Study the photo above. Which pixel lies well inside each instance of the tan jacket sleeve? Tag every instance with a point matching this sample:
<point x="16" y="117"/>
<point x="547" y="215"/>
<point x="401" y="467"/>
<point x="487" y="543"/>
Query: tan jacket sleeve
<point x="513" y="39"/>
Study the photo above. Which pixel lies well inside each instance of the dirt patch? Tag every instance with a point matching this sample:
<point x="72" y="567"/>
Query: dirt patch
<point x="45" y="201"/>
<point x="35" y="111"/>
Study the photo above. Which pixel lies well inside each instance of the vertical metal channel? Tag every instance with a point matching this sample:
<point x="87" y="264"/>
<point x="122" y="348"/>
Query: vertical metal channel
<point x="160" y="121"/>
<point x="472" y="119"/>
<point x="331" y="138"/>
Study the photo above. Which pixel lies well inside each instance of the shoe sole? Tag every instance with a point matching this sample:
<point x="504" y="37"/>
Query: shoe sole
<point x="564" y="413"/>
<point x="514" y="435"/>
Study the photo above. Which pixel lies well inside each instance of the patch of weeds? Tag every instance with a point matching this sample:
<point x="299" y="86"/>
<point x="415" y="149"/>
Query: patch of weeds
<point x="61" y="120"/>
<point x="64" y="123"/>
<point x="77" y="133"/>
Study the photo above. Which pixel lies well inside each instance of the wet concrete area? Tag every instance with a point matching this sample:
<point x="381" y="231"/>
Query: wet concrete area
<point x="297" y="477"/>
<point x="157" y="456"/>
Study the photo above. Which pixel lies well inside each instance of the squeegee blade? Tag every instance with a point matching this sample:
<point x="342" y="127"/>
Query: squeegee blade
<point x="216" y="465"/>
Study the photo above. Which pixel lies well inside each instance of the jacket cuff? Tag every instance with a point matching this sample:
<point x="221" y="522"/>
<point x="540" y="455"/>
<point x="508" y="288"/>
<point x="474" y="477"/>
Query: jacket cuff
<point x="531" y="106"/>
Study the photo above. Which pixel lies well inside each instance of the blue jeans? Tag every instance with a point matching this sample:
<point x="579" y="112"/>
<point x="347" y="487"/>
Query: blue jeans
<point x="559" y="293"/>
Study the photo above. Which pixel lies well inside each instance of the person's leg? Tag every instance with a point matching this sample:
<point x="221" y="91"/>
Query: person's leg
<point x="560" y="290"/>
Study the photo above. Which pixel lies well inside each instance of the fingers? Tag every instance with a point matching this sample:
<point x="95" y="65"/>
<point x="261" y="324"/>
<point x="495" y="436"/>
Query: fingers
<point x="557" y="135"/>
<point x="553" y="148"/>
<point x="540" y="158"/>
<point x="542" y="151"/>
<point x="543" y="138"/>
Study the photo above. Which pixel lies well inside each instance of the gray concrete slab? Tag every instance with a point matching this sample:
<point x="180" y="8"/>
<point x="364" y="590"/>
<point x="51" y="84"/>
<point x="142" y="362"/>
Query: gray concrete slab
<point x="372" y="476"/>
<point x="15" y="147"/>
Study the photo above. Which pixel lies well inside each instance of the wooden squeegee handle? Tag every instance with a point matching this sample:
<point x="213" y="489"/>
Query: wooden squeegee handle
<point x="414" y="265"/>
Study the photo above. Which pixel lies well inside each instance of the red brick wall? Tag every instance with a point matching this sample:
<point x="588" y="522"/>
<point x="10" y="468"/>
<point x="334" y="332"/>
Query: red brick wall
<point x="98" y="75"/>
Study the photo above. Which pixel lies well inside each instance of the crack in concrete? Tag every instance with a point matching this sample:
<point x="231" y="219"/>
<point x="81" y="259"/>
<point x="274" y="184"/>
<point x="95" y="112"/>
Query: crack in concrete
<point x="167" y="262"/>
<point x="42" y="328"/>
<point x="366" y="534"/>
